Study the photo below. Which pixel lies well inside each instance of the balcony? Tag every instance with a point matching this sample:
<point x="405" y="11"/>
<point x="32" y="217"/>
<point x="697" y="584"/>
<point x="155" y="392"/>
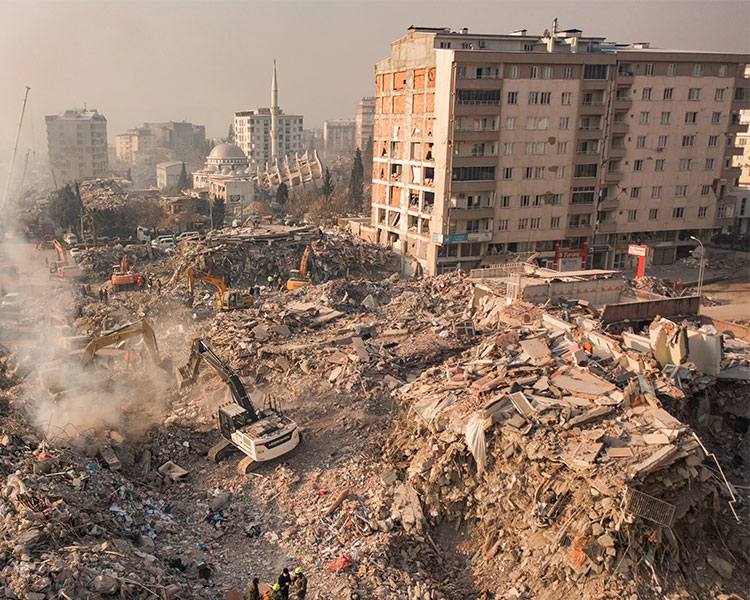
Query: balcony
<point x="617" y="151"/>
<point x="737" y="128"/>
<point x="609" y="203"/>
<point x="622" y="102"/>
<point x="613" y="176"/>
<point x="579" y="231"/>
<point x="472" y="213"/>
<point x="475" y="135"/>
<point x="620" y="127"/>
<point x="467" y="160"/>
<point x="476" y="110"/>
<point x="607" y="227"/>
<point x="734" y="151"/>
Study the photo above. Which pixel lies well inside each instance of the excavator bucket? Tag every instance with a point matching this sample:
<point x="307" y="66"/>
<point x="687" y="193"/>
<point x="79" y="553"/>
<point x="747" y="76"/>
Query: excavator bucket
<point x="185" y="377"/>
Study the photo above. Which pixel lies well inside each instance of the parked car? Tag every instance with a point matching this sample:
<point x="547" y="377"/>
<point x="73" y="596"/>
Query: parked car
<point x="76" y="252"/>
<point x="188" y="235"/>
<point x="70" y="238"/>
<point x="163" y="242"/>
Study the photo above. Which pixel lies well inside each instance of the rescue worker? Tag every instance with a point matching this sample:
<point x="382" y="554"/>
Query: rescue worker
<point x="140" y="282"/>
<point x="270" y="280"/>
<point x="106" y="295"/>
<point x="274" y="593"/>
<point x="285" y="581"/>
<point x="253" y="593"/>
<point x="101" y="294"/>
<point x="149" y="283"/>
<point x="300" y="584"/>
<point x="158" y="286"/>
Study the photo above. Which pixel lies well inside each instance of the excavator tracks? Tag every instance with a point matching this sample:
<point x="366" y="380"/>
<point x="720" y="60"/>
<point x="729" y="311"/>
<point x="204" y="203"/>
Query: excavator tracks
<point x="247" y="465"/>
<point x="221" y="450"/>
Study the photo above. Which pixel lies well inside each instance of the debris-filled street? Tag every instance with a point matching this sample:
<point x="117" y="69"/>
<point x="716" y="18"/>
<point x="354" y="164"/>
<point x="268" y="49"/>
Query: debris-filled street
<point x="447" y="443"/>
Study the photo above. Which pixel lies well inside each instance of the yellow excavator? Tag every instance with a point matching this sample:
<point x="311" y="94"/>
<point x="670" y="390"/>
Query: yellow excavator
<point x="300" y="279"/>
<point x="50" y="377"/>
<point x="227" y="300"/>
<point x="261" y="435"/>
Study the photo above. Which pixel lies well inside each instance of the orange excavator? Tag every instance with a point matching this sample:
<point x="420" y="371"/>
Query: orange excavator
<point x="126" y="277"/>
<point x="65" y="267"/>
<point x="301" y="278"/>
<point x="227" y="300"/>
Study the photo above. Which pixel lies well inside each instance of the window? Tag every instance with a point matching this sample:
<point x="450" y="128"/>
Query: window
<point x="705" y="190"/>
<point x="632" y="214"/>
<point x="713" y="140"/>
<point x="564" y="122"/>
<point x="640" y="141"/>
<point x="663" y="141"/>
<point x="595" y="71"/>
<point x="649" y="69"/>
<point x="671" y="70"/>
<point x="709" y="164"/>
<point x="562" y="147"/>
<point x="534" y="72"/>
<point x="644" y="118"/>
<point x="547" y="73"/>
<point x="473" y="173"/>
<point x="472" y="97"/>
<point x="529" y="147"/>
<point x="646" y="94"/>
<point x="656" y="191"/>
<point x="688" y="141"/>
<point x="544" y="123"/>
<point x="659" y="165"/>
<point x="668" y="93"/>
<point x="719" y="95"/>
<point x="512" y="97"/>
<point x="702" y="210"/>
<point x="691" y="117"/>
<point x="635" y="192"/>
<point x="678" y="212"/>
<point x="721" y="212"/>
<point x="545" y="97"/>
<point x="556" y="199"/>
<point x="715" y="117"/>
<point x="583" y="195"/>
<point x="653" y="214"/>
<point x="681" y="191"/>
<point x="445" y="44"/>
<point x="536" y="223"/>
<point x="502" y="225"/>
<point x="685" y="164"/>
<point x="566" y="97"/>
<point x="568" y="73"/>
<point x="523" y="224"/>
<point x="538" y="200"/>
<point x="694" y="94"/>
<point x="560" y="173"/>
<point x="554" y="223"/>
<point x="508" y="149"/>
<point x="504" y="201"/>
<point x="533" y="97"/>
<point x="514" y="72"/>
<point x="510" y="123"/>
<point x="507" y="173"/>
<point x="722" y="72"/>
<point x="638" y="165"/>
<point x="697" y="71"/>
<point x="665" y="116"/>
<point x="538" y="172"/>
<point x="586" y="170"/>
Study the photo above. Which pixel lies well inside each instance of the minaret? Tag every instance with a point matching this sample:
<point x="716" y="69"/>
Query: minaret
<point x="274" y="116"/>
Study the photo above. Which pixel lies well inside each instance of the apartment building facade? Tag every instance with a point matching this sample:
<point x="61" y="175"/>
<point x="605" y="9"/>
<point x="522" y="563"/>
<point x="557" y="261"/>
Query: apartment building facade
<point x="252" y="133"/>
<point x="77" y="145"/>
<point x="490" y="148"/>
<point x="365" y="122"/>
<point x="339" y="137"/>
<point x="183" y="142"/>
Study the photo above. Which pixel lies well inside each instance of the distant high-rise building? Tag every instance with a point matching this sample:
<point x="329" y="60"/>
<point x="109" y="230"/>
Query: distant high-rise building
<point x="365" y="122"/>
<point x="338" y="137"/>
<point x="487" y="147"/>
<point x="184" y="140"/>
<point x="77" y="145"/>
<point x="253" y="131"/>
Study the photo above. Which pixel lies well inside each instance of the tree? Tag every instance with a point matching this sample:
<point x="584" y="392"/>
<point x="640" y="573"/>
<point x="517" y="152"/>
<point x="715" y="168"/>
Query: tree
<point x="218" y="213"/>
<point x="183" y="183"/>
<point x="282" y="194"/>
<point x="130" y="175"/>
<point x="66" y="208"/>
<point x="327" y="188"/>
<point x="230" y="134"/>
<point x="356" y="179"/>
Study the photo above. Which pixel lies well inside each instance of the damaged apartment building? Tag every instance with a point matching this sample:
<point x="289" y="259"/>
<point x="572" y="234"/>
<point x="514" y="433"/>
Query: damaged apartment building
<point x="491" y="147"/>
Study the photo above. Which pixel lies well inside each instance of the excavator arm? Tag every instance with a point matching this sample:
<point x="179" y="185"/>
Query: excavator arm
<point x="188" y="374"/>
<point x="205" y="277"/>
<point x="61" y="252"/>
<point x="138" y="328"/>
<point x="304" y="261"/>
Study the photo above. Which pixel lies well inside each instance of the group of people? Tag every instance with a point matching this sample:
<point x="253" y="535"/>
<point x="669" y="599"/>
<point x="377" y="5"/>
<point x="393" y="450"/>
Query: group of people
<point x="104" y="295"/>
<point x="282" y="588"/>
<point x="148" y="282"/>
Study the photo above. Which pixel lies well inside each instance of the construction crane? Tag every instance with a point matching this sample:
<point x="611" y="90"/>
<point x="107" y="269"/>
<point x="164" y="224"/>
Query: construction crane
<point x="298" y="279"/>
<point x="261" y="435"/>
<point x="227" y="300"/>
<point x="15" y="147"/>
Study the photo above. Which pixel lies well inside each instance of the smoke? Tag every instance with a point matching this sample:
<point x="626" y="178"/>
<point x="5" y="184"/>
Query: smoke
<point x="62" y="400"/>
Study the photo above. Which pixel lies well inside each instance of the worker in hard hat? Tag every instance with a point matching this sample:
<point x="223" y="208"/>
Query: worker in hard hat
<point x="274" y="593"/>
<point x="300" y="583"/>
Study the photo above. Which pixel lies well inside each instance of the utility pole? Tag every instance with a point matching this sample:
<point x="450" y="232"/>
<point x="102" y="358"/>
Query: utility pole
<point x="702" y="267"/>
<point x="15" y="147"/>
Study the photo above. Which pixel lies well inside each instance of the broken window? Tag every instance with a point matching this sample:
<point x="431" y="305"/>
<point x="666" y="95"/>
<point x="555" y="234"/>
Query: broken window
<point x="428" y="152"/>
<point x="429" y="201"/>
<point x="429" y="175"/>
<point x="396" y="172"/>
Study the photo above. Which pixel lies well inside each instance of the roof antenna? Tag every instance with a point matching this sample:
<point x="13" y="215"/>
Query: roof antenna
<point x="554" y="26"/>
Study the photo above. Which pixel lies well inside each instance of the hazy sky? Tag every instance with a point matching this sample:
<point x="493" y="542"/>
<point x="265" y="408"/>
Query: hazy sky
<point x="199" y="61"/>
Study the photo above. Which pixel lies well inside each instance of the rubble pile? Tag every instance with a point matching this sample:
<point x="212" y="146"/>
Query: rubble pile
<point x="99" y="261"/>
<point x="248" y="256"/>
<point x="549" y="438"/>
<point x="101" y="193"/>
